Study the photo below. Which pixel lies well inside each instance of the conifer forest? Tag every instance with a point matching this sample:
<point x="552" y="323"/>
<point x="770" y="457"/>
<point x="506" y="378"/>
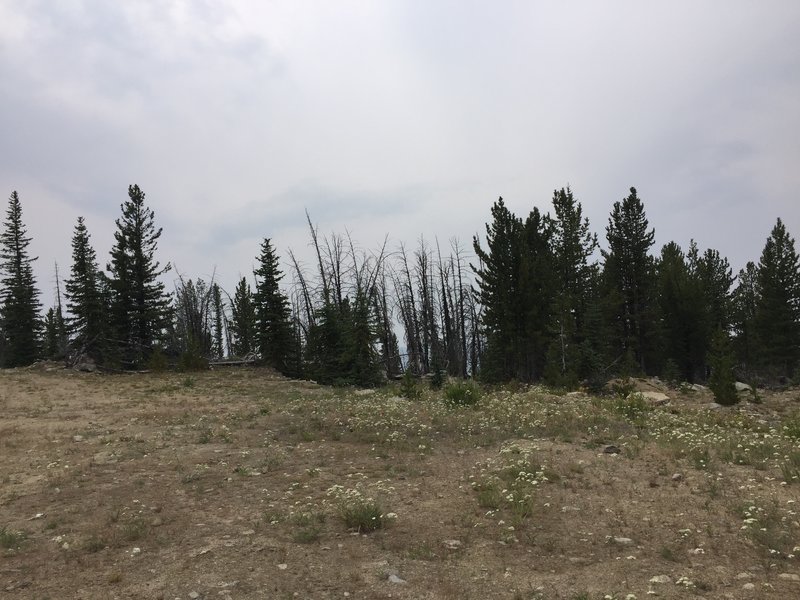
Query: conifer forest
<point x="543" y="297"/>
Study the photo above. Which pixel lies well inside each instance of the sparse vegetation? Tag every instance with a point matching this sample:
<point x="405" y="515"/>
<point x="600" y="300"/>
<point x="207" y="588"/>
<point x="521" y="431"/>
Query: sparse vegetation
<point x="462" y="393"/>
<point x="10" y="539"/>
<point x="311" y="475"/>
<point x="359" y="512"/>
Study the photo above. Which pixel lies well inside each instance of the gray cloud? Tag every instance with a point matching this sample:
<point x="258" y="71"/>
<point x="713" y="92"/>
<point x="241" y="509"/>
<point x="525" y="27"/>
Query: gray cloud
<point x="395" y="118"/>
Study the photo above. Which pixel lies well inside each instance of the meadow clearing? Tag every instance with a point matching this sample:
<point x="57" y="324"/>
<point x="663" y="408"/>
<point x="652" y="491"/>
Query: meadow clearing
<point x="238" y="483"/>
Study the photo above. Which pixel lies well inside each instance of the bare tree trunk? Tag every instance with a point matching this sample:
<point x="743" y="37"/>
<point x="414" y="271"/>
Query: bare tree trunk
<point x="461" y="314"/>
<point x="303" y="290"/>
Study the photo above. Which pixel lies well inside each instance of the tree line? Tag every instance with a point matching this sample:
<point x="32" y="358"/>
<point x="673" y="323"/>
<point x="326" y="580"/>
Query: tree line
<point x="539" y="299"/>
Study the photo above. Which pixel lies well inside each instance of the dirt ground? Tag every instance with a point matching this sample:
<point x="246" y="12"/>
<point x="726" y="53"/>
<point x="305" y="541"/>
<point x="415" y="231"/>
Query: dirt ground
<point x="224" y="485"/>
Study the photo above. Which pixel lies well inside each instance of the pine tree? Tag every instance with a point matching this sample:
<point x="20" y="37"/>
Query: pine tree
<point x="19" y="297"/>
<point x="219" y="321"/>
<point x="678" y="299"/>
<point x="629" y="275"/>
<point x="141" y="307"/>
<point x="56" y="338"/>
<point x="573" y="245"/>
<point x="243" y="321"/>
<point x="744" y="303"/>
<point x="722" y="381"/>
<point x="777" y="314"/>
<point x="273" y="324"/>
<point x="497" y="278"/>
<point x="84" y="290"/>
<point x="515" y="287"/>
<point x="716" y="278"/>
<point x="54" y="345"/>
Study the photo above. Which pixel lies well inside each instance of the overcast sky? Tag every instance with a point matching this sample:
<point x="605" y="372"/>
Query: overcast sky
<point x="404" y="118"/>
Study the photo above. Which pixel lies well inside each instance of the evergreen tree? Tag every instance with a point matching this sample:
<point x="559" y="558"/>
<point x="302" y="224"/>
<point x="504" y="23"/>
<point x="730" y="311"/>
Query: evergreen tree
<point x="537" y="284"/>
<point x="629" y="279"/>
<point x="56" y="337"/>
<point x="19" y="297"/>
<point x="141" y="308"/>
<point x="497" y="278"/>
<point x="219" y="321"/>
<point x="54" y="346"/>
<point x="515" y="286"/>
<point x="777" y="314"/>
<point x="716" y="279"/>
<point x="744" y="303"/>
<point x="84" y="290"/>
<point x="573" y="245"/>
<point x="722" y="381"/>
<point x="194" y="340"/>
<point x="273" y="324"/>
<point x="243" y="320"/>
<point x="678" y="302"/>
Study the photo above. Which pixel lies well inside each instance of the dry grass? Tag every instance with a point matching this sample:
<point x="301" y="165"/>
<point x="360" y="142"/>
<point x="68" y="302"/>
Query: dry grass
<point x="241" y="484"/>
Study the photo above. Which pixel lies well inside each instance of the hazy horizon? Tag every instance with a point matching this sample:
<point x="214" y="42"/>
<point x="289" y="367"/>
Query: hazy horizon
<point x="395" y="118"/>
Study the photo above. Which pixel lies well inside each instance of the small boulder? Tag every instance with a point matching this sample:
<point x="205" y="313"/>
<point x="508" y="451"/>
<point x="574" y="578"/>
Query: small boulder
<point x="623" y="541"/>
<point x="661" y="579"/>
<point x="743" y="387"/>
<point x="655" y="398"/>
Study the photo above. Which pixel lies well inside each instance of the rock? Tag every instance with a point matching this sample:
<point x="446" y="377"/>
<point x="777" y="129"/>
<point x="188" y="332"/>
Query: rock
<point x="661" y="579"/>
<point x="744" y="575"/>
<point x="655" y="398"/>
<point x="85" y="365"/>
<point x="789" y="577"/>
<point x="194" y="595"/>
<point x="136" y="551"/>
<point x="395" y="579"/>
<point x="713" y="406"/>
<point x="749" y="587"/>
<point x="249" y="532"/>
<point x="677" y="477"/>
<point x="157" y="522"/>
<point x="611" y="449"/>
<point x="696" y="387"/>
<point x="283" y="566"/>
<point x="452" y="544"/>
<point x="743" y="387"/>
<point x="104" y="458"/>
<point x="77" y="438"/>
<point x="623" y="541"/>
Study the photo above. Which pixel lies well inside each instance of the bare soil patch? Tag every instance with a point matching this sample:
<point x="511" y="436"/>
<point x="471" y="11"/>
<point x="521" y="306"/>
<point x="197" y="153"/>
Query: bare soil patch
<point x="234" y="483"/>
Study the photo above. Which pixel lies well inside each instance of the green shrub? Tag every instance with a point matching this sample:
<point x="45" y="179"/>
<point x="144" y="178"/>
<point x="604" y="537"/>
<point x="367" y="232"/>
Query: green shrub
<point x="10" y="539"/>
<point x="158" y="361"/>
<point x="632" y="407"/>
<point x="408" y="387"/>
<point x="671" y="373"/>
<point x="462" y="393"/>
<point x="437" y="379"/>
<point x="192" y="361"/>
<point x="623" y="387"/>
<point x="721" y="360"/>
<point x="359" y="512"/>
<point x="791" y="426"/>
